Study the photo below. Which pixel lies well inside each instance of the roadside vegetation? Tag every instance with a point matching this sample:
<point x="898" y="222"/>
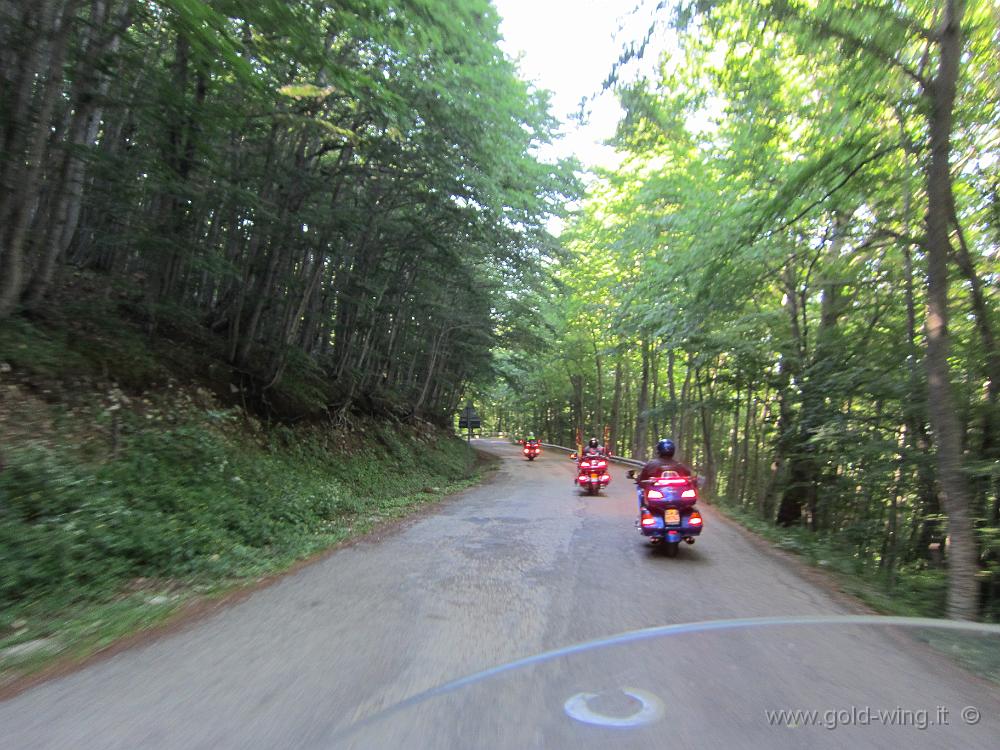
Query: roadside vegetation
<point x="793" y="273"/>
<point x="252" y="257"/>
<point x="118" y="507"/>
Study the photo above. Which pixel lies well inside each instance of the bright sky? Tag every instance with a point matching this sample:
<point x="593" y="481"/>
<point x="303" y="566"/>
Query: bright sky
<point x="569" y="47"/>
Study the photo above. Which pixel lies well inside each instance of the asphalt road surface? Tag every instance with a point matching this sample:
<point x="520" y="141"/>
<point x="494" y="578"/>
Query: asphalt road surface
<point x="519" y="566"/>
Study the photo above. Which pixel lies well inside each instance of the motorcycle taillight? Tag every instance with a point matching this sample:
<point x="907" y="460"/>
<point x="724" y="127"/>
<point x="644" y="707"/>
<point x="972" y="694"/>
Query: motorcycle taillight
<point x="671" y="481"/>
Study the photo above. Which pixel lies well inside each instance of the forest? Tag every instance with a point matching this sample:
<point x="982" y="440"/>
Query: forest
<point x="793" y="273"/>
<point x="251" y="255"/>
<point x="341" y="194"/>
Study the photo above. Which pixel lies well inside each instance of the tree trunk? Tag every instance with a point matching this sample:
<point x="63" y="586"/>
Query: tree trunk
<point x="790" y="508"/>
<point x="954" y="490"/>
<point x="706" y="439"/>
<point x="639" y="443"/>
<point x="749" y="422"/>
<point x="732" y="481"/>
<point x="27" y="139"/>
<point x="684" y="417"/>
<point x="672" y="391"/>
<point x="599" y="413"/>
<point x="89" y="92"/>
<point x="616" y="403"/>
<point x="654" y="404"/>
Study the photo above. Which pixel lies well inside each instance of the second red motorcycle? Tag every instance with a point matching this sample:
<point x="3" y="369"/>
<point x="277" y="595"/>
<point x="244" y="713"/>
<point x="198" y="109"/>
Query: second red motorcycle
<point x="592" y="473"/>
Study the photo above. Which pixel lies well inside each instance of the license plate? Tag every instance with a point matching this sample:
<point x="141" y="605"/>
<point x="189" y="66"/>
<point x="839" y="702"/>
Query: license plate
<point x="595" y="477"/>
<point x="672" y="517"/>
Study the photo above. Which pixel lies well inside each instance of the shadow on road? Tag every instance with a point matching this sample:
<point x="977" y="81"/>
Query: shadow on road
<point x="686" y="555"/>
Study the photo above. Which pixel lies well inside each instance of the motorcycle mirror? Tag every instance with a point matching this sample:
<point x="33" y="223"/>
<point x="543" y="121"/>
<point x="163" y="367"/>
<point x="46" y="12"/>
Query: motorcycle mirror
<point x="630" y="473"/>
<point x="572" y="456"/>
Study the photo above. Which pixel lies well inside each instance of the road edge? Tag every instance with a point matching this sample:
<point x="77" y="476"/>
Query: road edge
<point x="201" y="607"/>
<point x="826" y="580"/>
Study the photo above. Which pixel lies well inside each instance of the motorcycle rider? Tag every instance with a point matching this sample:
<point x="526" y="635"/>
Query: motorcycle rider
<point x="594" y="448"/>
<point x="663" y="461"/>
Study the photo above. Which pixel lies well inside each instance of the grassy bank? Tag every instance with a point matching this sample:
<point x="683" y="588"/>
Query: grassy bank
<point x="914" y="592"/>
<point x="93" y="547"/>
<point x="119" y="506"/>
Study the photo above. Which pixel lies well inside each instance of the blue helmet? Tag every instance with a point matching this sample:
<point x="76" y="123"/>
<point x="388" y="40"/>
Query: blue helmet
<point x="666" y="448"/>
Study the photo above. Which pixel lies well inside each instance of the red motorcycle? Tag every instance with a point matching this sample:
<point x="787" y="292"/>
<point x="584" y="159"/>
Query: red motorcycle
<point x="531" y="451"/>
<point x="592" y="473"/>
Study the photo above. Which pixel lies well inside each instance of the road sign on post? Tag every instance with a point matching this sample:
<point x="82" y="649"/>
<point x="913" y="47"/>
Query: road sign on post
<point x="467" y="418"/>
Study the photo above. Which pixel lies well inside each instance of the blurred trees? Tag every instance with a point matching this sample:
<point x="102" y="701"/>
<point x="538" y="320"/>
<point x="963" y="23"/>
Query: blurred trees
<point x="794" y="274"/>
<point x="342" y="189"/>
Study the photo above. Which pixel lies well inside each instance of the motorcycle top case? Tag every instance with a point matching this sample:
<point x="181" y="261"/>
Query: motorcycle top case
<point x="677" y="501"/>
<point x="668" y="490"/>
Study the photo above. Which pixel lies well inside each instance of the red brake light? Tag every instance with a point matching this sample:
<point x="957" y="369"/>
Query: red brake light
<point x="601" y="464"/>
<point x="695" y="519"/>
<point x="654" y="495"/>
<point x="671" y="480"/>
<point x="648" y="520"/>
<point x="689" y="493"/>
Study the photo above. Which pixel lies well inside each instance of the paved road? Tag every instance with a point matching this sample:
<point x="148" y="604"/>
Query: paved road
<point x="513" y="568"/>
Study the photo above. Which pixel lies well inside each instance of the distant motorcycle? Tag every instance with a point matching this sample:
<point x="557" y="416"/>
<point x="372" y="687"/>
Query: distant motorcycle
<point x="531" y="451"/>
<point x="668" y="516"/>
<point x="592" y="473"/>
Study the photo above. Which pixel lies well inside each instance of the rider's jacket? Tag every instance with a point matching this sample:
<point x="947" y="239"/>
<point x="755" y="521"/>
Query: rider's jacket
<point x="658" y="465"/>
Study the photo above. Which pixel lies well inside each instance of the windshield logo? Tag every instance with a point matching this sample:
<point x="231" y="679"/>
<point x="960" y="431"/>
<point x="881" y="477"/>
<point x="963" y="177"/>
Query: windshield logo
<point x="593" y="708"/>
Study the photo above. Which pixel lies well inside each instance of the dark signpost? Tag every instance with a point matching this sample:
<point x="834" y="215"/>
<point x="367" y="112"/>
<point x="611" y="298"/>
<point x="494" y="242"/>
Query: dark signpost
<point x="468" y="419"/>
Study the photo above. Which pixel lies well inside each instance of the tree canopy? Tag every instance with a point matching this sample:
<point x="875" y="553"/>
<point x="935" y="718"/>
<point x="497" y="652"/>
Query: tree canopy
<point x="793" y="273"/>
<point x="343" y="192"/>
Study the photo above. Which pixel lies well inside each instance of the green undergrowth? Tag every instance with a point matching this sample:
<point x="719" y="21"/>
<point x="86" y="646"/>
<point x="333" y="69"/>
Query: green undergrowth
<point x="83" y="345"/>
<point x="917" y="592"/>
<point x="100" y="333"/>
<point x="109" y="529"/>
<point x="914" y="593"/>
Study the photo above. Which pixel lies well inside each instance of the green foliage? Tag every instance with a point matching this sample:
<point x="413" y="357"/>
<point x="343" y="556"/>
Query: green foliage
<point x="752" y="281"/>
<point x="86" y="340"/>
<point x="195" y="502"/>
<point x="33" y="350"/>
<point x="917" y="591"/>
<point x="316" y="183"/>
